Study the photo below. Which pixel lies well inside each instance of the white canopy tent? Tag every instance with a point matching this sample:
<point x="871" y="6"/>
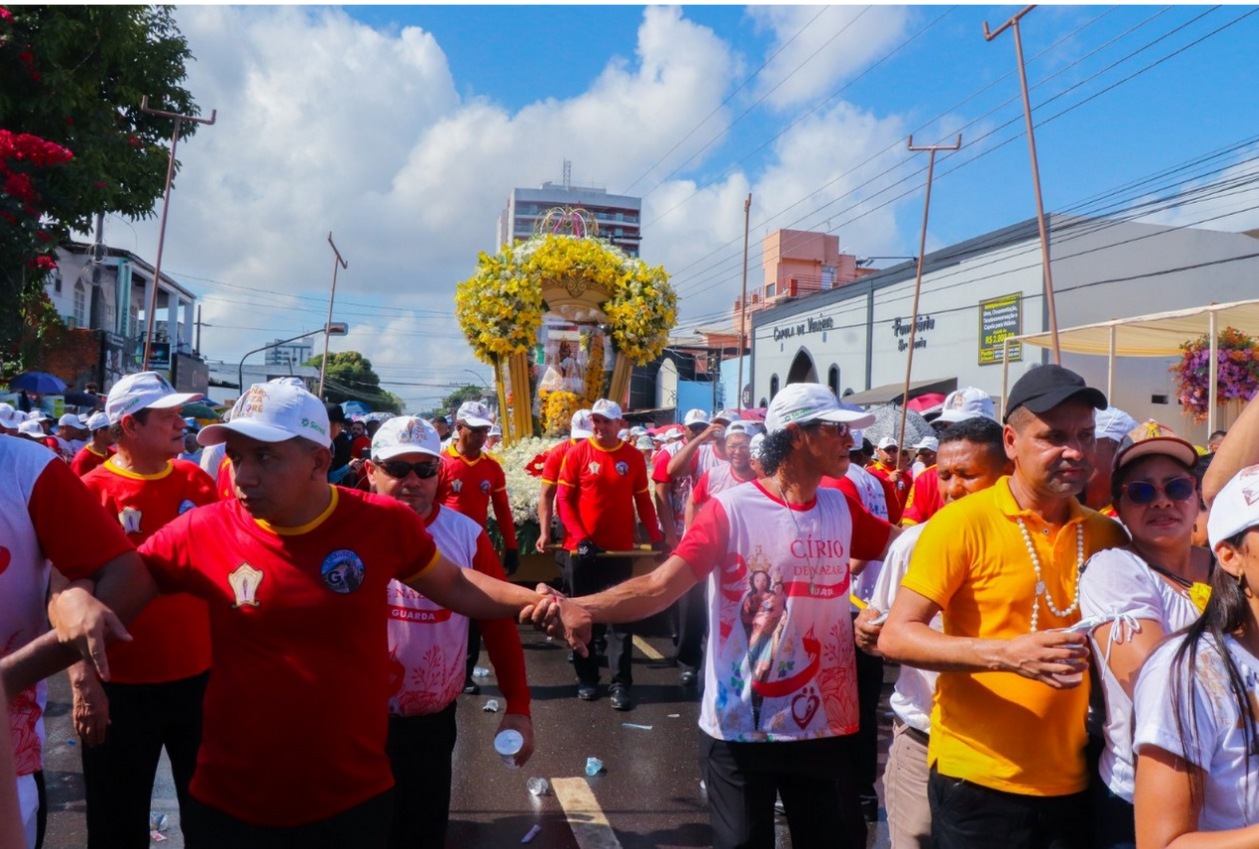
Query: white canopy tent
<point x="1155" y="335"/>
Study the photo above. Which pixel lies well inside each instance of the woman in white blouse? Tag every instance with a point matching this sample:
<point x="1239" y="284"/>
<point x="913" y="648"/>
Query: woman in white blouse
<point x="1157" y="582"/>
<point x="1195" y="730"/>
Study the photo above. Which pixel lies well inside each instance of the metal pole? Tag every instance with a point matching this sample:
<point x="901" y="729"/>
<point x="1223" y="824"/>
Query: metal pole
<point x="922" y="256"/>
<point x="1213" y="371"/>
<point x="1013" y="23"/>
<point x="743" y="311"/>
<point x="1005" y="372"/>
<point x="151" y="307"/>
<point x="240" y="369"/>
<point x="1110" y="369"/>
<point x="336" y="261"/>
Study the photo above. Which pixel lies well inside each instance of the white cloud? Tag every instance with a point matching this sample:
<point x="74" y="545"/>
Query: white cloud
<point x="325" y="124"/>
<point x="822" y="50"/>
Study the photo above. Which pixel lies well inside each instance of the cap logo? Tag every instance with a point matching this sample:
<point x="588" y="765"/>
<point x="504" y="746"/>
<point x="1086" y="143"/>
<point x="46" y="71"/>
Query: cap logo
<point x="797" y="414"/>
<point x="312" y="425"/>
<point x="254" y="401"/>
<point x="957" y="402"/>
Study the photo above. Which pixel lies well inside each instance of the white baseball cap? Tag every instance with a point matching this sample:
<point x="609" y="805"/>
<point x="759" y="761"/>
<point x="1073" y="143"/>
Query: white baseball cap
<point x="71" y="420"/>
<point x="887" y="442"/>
<point x="580" y="425"/>
<point x="739" y="427"/>
<point x="606" y="409"/>
<point x="644" y="443"/>
<point x="754" y="447"/>
<point x="405" y="435"/>
<point x="273" y="412"/>
<point x="146" y="390"/>
<point x="694" y="417"/>
<point x="473" y="414"/>
<point x="38" y="415"/>
<point x="10" y="417"/>
<point x="1236" y="508"/>
<point x="97" y="421"/>
<point x="799" y="403"/>
<point x="727" y="416"/>
<point x="30" y="427"/>
<point x="967" y="403"/>
<point x="1114" y="424"/>
<point x="623" y="434"/>
<point x="928" y="443"/>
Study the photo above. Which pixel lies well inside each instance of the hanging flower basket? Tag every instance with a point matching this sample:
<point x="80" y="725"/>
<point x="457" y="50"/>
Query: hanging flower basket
<point x="1238" y="371"/>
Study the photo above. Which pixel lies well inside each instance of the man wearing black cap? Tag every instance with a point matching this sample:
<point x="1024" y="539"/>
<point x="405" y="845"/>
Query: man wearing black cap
<point x="341" y="445"/>
<point x="1008" y="725"/>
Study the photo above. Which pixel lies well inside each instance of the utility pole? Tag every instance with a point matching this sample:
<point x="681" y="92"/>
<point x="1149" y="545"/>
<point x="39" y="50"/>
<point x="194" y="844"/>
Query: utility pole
<point x="1013" y="24"/>
<point x="743" y="304"/>
<point x="199" y="324"/>
<point x="336" y="261"/>
<point x="151" y="306"/>
<point x="922" y="254"/>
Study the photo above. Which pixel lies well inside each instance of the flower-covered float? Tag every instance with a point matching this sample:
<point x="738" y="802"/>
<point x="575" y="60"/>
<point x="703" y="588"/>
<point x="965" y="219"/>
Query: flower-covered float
<point x="562" y="317"/>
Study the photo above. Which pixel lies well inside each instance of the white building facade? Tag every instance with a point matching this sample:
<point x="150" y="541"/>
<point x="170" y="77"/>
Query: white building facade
<point x="979" y="291"/>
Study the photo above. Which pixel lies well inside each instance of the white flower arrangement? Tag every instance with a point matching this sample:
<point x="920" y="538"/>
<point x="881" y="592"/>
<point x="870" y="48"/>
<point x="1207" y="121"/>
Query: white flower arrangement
<point x="523" y="489"/>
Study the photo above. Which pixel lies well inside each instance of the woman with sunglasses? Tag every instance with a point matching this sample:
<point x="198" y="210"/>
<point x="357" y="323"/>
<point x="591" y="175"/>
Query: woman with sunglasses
<point x="1195" y="729"/>
<point x="1159" y="581"/>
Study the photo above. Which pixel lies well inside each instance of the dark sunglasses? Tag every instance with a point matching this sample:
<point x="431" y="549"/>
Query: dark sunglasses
<point x="1144" y="492"/>
<point x="398" y="469"/>
<point x="840" y="428"/>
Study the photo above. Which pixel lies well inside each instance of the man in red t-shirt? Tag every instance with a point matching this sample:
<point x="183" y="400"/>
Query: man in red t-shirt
<point x="97" y="451"/>
<point x="888" y="466"/>
<point x="153" y="698"/>
<point x="470" y="481"/>
<point x="602" y="481"/>
<point x="295" y="571"/>
<point x="579" y="430"/>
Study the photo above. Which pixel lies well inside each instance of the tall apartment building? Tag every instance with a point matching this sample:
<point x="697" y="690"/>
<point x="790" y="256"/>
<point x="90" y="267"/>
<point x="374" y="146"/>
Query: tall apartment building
<point x="293" y="353"/>
<point x="619" y="216"/>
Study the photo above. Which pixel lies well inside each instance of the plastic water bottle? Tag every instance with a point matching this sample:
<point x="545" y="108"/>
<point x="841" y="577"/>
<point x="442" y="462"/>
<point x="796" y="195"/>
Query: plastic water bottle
<point x="480" y="672"/>
<point x="538" y="786"/>
<point x="508" y="744"/>
<point x="594" y="766"/>
<point x="491" y="706"/>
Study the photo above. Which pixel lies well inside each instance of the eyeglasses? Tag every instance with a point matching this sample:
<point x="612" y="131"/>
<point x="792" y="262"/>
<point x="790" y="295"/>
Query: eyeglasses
<point x="840" y="428"/>
<point x="1144" y="492"/>
<point x="398" y="469"/>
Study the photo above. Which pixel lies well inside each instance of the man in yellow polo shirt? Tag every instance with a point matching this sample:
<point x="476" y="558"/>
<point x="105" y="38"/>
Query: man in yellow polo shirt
<point x="1007" y="725"/>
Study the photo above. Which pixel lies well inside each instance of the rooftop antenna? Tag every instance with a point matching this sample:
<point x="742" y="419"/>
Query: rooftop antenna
<point x="568" y="174"/>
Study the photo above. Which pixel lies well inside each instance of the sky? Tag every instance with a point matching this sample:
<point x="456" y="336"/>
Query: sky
<point x="402" y="130"/>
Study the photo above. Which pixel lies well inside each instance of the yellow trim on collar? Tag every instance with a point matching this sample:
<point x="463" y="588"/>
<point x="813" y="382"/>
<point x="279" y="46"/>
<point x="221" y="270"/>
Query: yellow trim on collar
<point x="137" y="476"/>
<point x="309" y="526"/>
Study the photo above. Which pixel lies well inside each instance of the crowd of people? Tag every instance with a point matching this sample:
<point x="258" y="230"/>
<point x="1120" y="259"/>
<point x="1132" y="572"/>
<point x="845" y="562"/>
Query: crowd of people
<point x="289" y="604"/>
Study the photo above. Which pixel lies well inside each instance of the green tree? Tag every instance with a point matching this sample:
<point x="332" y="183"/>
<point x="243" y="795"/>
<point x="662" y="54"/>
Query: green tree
<point x="75" y="76"/>
<point x="350" y="377"/>
<point x="468" y="392"/>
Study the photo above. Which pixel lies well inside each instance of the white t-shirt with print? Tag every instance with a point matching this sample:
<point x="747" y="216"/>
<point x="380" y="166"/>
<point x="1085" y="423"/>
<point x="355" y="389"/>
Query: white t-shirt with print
<point x="1118" y="580"/>
<point x="1216" y="742"/>
<point x="780" y="662"/>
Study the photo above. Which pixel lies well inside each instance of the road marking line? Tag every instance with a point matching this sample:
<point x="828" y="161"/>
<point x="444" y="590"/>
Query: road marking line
<point x="645" y="648"/>
<point x="586" y="819"/>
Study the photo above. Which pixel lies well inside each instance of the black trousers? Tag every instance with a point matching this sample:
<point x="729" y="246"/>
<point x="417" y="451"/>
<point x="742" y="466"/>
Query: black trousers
<point x="118" y="774"/>
<point x="474" y="649"/>
<point x="420" y="749"/>
<point x="965" y="815"/>
<point x="865" y="743"/>
<point x="365" y="826"/>
<point x="586" y="579"/>
<point x="813" y="777"/>
<point x="693" y="625"/>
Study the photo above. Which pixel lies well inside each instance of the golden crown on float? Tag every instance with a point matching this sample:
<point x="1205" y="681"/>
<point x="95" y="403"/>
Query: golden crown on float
<point x="539" y="312"/>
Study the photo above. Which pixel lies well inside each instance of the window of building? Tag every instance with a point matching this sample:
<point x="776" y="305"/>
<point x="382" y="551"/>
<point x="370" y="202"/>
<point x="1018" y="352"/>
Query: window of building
<point x="56" y="282"/>
<point x="832" y="379"/>
<point x="773" y="387"/>
<point x="80" y="304"/>
<point x="769" y="290"/>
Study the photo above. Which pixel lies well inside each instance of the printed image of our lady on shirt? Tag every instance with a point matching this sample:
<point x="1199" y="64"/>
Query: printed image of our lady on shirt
<point x="780" y="631"/>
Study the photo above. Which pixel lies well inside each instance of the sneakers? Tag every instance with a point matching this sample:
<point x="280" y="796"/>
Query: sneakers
<point x="471" y="688"/>
<point x="621" y="698"/>
<point x="587" y="692"/>
<point x="687" y="678"/>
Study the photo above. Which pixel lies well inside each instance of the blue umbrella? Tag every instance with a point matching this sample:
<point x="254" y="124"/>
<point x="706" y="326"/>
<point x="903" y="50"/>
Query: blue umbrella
<point x="39" y="382"/>
<point x="355" y="407"/>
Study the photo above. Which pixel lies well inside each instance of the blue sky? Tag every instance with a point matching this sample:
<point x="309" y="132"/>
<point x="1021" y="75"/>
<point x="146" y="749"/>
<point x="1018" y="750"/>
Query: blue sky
<point x="402" y="129"/>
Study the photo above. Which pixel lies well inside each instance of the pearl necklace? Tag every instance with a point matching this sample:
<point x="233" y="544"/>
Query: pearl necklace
<point x="1041" y="589"/>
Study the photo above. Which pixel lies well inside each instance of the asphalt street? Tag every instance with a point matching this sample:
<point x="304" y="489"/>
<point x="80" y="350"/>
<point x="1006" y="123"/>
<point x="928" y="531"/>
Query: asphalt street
<point x="649" y="794"/>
